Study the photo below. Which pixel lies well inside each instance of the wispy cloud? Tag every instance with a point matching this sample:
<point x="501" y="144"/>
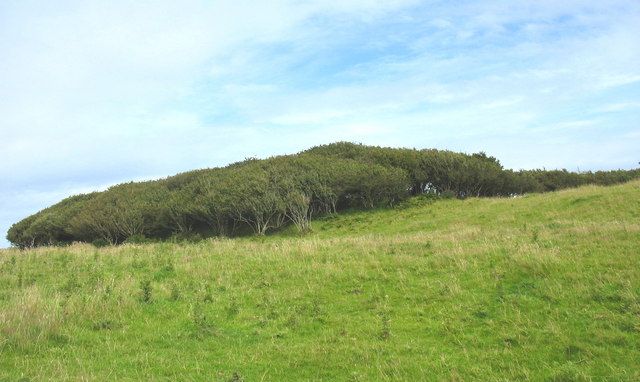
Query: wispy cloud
<point x="99" y="93"/>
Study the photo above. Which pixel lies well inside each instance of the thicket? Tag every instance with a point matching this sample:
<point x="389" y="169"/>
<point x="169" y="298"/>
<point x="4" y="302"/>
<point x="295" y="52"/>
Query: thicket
<point x="257" y="196"/>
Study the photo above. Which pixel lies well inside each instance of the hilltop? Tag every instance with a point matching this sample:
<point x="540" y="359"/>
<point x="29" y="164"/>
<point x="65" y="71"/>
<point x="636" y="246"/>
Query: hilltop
<point x="543" y="287"/>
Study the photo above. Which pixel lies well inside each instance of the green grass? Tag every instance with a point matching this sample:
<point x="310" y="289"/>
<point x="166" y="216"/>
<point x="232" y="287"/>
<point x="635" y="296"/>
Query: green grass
<point x="545" y="287"/>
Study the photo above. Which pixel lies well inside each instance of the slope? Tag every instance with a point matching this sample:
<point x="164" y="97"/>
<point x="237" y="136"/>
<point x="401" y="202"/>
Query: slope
<point x="541" y="287"/>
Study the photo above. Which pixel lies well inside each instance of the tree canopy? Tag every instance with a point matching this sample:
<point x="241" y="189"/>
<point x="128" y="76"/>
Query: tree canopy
<point x="256" y="196"/>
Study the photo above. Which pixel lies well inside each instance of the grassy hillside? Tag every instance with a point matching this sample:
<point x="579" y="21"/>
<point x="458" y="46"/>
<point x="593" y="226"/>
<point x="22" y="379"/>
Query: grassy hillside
<point x="544" y="287"/>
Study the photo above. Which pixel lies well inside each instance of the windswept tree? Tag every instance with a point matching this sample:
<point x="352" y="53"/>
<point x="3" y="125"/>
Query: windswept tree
<point x="123" y="211"/>
<point x="178" y="212"/>
<point x="298" y="209"/>
<point x="257" y="198"/>
<point x="293" y="179"/>
<point x="211" y="198"/>
<point x="262" y="195"/>
<point x="19" y="234"/>
<point x="50" y="226"/>
<point x="96" y="221"/>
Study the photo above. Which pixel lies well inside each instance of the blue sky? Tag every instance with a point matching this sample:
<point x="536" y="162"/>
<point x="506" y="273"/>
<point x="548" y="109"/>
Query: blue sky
<point x="98" y="93"/>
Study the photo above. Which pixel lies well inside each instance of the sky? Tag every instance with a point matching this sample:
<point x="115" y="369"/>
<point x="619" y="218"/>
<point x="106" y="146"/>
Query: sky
<point x="96" y="93"/>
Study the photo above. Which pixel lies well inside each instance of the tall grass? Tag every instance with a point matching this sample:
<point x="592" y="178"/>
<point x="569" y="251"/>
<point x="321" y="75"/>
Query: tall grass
<point x="545" y="287"/>
<point x="31" y="320"/>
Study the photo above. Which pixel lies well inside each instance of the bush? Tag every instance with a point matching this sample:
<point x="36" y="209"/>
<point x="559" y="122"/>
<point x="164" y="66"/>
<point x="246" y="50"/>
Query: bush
<point x="421" y="200"/>
<point x="137" y="239"/>
<point x="185" y="237"/>
<point x="145" y="291"/>
<point x="99" y="243"/>
<point x="448" y="194"/>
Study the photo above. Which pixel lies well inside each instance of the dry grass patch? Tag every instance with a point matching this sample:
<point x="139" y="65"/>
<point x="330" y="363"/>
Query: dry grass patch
<point x="31" y="319"/>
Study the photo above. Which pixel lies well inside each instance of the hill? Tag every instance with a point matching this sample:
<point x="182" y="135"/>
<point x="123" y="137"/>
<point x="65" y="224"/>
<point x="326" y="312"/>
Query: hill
<point x="262" y="196"/>
<point x="542" y="287"/>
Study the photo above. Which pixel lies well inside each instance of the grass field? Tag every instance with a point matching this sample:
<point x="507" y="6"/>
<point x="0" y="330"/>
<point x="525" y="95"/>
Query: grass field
<point x="544" y="287"/>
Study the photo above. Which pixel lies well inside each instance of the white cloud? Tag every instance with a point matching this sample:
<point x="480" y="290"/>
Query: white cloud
<point x="95" y="93"/>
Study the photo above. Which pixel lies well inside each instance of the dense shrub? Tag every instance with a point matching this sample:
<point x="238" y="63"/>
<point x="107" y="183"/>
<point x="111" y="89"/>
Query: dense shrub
<point x="257" y="196"/>
<point x="99" y="243"/>
<point x="137" y="239"/>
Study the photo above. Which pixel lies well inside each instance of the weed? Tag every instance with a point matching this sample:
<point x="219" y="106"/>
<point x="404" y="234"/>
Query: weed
<point x="175" y="291"/>
<point x="107" y="291"/>
<point x="106" y="325"/>
<point x="233" y="308"/>
<point x="316" y="309"/>
<point x="535" y="235"/>
<point x="235" y="377"/>
<point x="71" y="284"/>
<point x="146" y="290"/>
<point x="167" y="271"/>
<point x="385" y="331"/>
<point x="202" y="323"/>
<point x="208" y="296"/>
